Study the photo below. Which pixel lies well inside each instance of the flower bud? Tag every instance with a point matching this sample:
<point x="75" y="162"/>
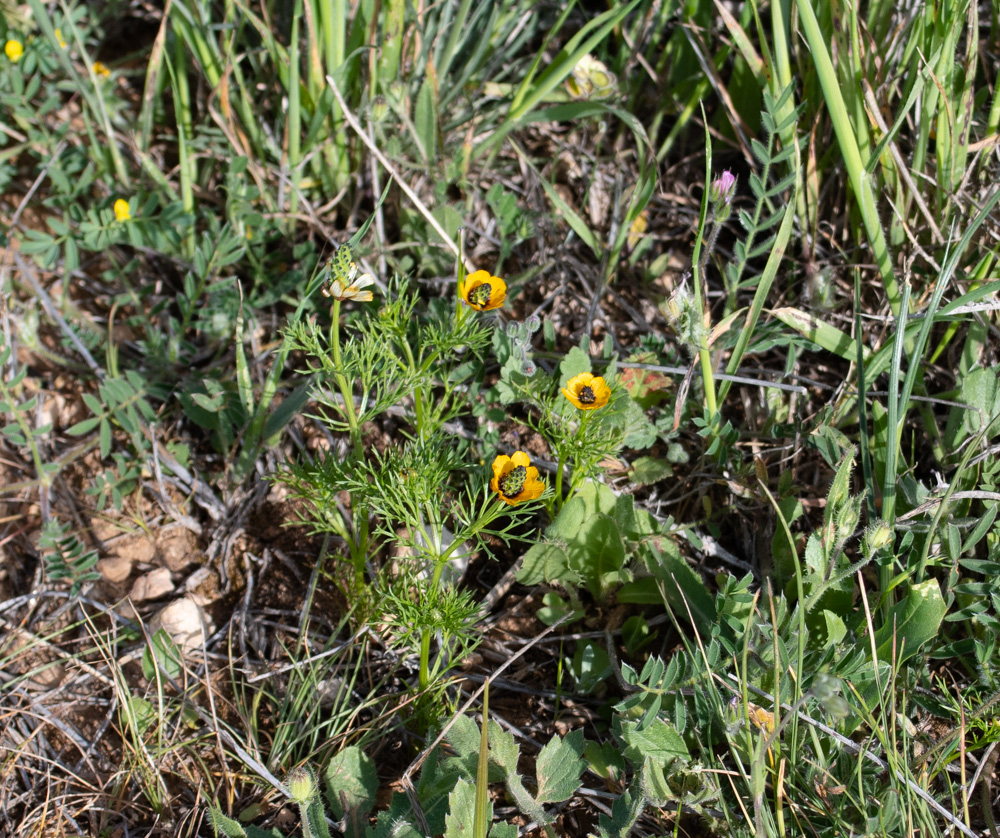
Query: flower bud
<point x="533" y="324"/>
<point x="877" y="537"/>
<point x="301" y="785"/>
<point x="723" y="188"/>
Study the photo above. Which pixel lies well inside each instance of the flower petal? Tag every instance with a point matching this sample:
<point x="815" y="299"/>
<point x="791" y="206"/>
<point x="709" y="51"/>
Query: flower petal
<point x="501" y="464"/>
<point x="519" y="458"/>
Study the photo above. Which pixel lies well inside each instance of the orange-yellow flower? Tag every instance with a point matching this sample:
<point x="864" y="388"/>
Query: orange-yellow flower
<point x="586" y="391"/>
<point x="515" y="479"/>
<point x="482" y="291"/>
<point x="59" y="38"/>
<point x="101" y="69"/>
<point x="13" y="50"/>
<point x="122" y="212"/>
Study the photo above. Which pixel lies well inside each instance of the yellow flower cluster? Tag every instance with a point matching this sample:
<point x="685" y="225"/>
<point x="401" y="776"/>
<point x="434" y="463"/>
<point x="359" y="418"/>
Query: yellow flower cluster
<point x="515" y="480"/>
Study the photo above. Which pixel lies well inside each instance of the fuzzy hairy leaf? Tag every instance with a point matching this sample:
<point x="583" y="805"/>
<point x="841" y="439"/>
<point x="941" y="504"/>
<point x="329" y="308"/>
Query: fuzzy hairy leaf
<point x="461" y="810"/>
<point x="351" y="782"/>
<point x="659" y="741"/>
<point x="559" y="767"/>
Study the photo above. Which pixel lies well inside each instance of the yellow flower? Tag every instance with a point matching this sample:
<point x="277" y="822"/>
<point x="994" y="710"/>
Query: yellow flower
<point x="100" y="69"/>
<point x="482" y="291"/>
<point x="514" y="478"/>
<point x="59" y="38"/>
<point x="586" y="391"/>
<point x="350" y="288"/>
<point x="14" y="50"/>
<point x="122" y="212"/>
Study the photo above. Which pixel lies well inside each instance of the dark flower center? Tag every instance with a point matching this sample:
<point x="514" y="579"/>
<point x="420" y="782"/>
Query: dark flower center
<point x="513" y="481"/>
<point x="586" y="395"/>
<point x="480" y="295"/>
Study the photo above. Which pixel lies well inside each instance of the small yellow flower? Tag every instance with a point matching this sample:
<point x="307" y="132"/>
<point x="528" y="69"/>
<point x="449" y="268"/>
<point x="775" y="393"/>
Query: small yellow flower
<point x="482" y="291"/>
<point x="14" y="50"/>
<point x="122" y="212"/>
<point x="100" y="69"/>
<point x="59" y="38"/>
<point x="350" y="288"/>
<point x="515" y="479"/>
<point x="586" y="391"/>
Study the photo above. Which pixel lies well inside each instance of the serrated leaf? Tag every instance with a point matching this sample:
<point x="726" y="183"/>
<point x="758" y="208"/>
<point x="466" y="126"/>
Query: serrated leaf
<point x="351" y="781"/>
<point x="463" y="736"/>
<point x="575" y="362"/>
<point x="639" y="432"/>
<point x="504" y="750"/>
<point x="659" y="741"/>
<point x="559" y="767"/>
<point x="461" y="810"/>
<point x="625" y="812"/>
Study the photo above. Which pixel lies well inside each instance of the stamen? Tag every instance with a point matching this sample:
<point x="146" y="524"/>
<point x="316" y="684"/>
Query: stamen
<point x="512" y="482"/>
<point x="480" y="295"/>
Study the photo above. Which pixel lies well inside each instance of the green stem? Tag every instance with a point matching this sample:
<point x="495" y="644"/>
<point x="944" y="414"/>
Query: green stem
<point x="700" y="300"/>
<point x="359" y="548"/>
<point x="418" y="396"/>
<point x="188" y="165"/>
<point x="294" y="123"/>
<point x="425" y="635"/>
<point x="557" y="501"/>
<point x="346" y="390"/>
